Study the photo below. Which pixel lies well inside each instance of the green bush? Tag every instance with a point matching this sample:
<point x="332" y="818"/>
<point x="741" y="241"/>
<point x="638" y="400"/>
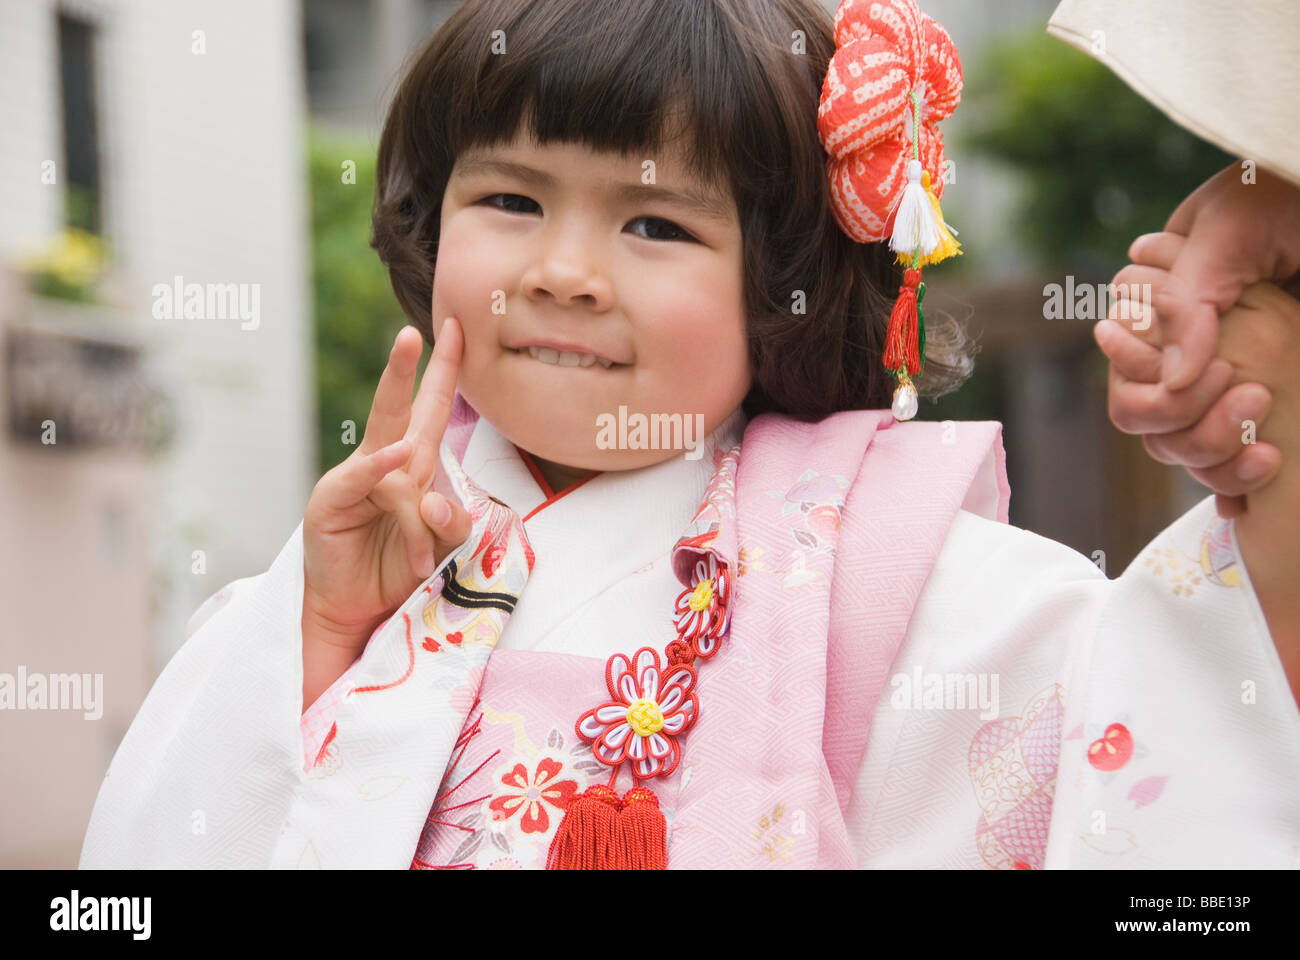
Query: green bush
<point x="356" y="314"/>
<point x="1100" y="163"/>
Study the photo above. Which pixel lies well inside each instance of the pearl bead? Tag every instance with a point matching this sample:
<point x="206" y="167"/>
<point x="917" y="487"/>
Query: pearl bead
<point x="905" y="402"/>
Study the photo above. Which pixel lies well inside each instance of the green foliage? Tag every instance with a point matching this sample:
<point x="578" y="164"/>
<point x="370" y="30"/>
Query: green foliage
<point x="81" y="208"/>
<point x="357" y="315"/>
<point x="70" y="267"/>
<point x="1101" y="164"/>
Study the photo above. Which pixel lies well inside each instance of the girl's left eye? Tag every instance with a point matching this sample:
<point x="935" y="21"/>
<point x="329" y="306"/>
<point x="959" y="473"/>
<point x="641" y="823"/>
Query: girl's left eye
<point x="672" y="227"/>
<point x="656" y="224"/>
<point x="507" y="197"/>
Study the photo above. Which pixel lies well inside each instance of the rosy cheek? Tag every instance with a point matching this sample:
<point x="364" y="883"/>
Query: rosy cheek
<point x="463" y="277"/>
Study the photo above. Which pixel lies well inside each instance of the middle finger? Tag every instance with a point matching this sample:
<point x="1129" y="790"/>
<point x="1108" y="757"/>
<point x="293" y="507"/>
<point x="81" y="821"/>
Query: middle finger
<point x="432" y="407"/>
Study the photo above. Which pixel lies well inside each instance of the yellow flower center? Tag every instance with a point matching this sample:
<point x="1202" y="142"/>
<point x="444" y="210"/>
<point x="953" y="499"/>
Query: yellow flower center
<point x="645" y="717"/>
<point x="702" y="596"/>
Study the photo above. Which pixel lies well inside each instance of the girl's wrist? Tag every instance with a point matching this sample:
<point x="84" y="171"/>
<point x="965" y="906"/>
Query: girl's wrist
<point x="328" y="649"/>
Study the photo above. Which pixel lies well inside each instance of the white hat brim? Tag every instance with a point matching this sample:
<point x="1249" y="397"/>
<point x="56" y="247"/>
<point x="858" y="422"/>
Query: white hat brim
<point x="1228" y="72"/>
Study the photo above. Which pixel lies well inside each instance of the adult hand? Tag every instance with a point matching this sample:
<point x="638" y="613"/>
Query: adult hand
<point x="1237" y="233"/>
<point x="1198" y="427"/>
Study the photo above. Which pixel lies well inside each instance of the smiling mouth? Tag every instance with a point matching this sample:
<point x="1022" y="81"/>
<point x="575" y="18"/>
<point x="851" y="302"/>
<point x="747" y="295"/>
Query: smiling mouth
<point x="556" y="358"/>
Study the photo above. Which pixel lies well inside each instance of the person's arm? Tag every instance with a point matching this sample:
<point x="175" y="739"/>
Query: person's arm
<point x="1255" y="424"/>
<point x="207" y="769"/>
<point x="1261" y="338"/>
<point x="1137" y="722"/>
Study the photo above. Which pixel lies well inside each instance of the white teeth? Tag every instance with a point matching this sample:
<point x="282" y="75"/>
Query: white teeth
<point x="567" y="358"/>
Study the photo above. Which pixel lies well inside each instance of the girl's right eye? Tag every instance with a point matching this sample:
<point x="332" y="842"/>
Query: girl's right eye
<point x="507" y="197"/>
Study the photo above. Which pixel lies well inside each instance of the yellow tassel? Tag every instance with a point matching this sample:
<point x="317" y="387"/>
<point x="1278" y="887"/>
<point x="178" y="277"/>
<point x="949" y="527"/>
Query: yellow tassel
<point x="948" y="245"/>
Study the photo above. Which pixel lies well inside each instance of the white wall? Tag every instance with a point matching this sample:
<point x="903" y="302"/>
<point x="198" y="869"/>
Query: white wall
<point x="203" y="175"/>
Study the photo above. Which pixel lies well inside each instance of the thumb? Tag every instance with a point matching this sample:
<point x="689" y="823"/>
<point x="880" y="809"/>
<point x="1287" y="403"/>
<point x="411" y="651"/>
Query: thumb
<point x="1238" y="233"/>
<point x="1208" y="277"/>
<point x="450" y="522"/>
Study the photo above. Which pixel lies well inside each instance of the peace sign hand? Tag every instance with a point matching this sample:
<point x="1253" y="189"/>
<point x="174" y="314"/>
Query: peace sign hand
<point x="374" y="530"/>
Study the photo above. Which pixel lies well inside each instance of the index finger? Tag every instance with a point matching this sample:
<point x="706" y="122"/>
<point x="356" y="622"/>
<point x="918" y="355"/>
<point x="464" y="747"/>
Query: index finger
<point x="432" y="407"/>
<point x="390" y="411"/>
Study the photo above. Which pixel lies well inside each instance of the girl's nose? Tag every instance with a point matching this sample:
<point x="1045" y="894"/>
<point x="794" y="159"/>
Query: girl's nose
<point x="570" y="270"/>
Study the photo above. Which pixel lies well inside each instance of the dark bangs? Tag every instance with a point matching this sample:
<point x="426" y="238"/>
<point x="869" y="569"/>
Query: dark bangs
<point x="735" y="85"/>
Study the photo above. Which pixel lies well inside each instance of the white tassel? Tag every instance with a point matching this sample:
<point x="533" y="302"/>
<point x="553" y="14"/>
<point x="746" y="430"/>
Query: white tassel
<point x="914" y="225"/>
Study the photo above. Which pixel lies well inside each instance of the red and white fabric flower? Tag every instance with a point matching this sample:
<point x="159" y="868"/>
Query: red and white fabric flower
<point x="703" y="610"/>
<point x="651" y="707"/>
<point x="885" y="50"/>
<point x="527" y="792"/>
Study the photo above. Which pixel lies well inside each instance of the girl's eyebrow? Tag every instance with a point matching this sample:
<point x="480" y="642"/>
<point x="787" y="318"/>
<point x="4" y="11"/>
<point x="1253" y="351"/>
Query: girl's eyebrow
<point x="705" y="205"/>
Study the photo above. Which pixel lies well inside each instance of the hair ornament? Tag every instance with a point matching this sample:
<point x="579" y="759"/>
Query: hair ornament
<point x="894" y="75"/>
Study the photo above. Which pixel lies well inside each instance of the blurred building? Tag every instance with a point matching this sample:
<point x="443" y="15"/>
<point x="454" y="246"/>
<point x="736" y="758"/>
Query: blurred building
<point x="177" y="130"/>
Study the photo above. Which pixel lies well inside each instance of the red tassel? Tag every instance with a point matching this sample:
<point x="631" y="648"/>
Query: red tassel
<point x="588" y="836"/>
<point x="901" y="345"/>
<point x="645" y="831"/>
<point x="599" y="832"/>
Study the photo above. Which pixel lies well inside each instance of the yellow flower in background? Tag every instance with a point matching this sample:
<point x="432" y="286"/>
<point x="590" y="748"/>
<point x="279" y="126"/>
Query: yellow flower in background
<point x="68" y="266"/>
<point x="78" y="257"/>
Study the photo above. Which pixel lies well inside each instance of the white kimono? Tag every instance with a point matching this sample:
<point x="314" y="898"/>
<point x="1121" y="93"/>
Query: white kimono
<point x="215" y="771"/>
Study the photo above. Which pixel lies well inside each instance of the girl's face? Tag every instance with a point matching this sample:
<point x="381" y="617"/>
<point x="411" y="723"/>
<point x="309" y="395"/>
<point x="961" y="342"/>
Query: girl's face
<point x="628" y="259"/>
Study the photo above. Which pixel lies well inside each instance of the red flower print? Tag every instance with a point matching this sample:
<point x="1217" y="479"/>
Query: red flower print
<point x="703" y="609"/>
<point x="1113" y="749"/>
<point x="528" y="794"/>
<point x="652" y="705"/>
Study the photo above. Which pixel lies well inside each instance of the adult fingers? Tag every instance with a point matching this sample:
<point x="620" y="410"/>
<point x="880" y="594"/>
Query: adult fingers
<point x="1128" y="354"/>
<point x="433" y="402"/>
<point x="1214" y="266"/>
<point x="1260" y="462"/>
<point x="1148" y="408"/>
<point x="1133" y="304"/>
<point x="1216" y="438"/>
<point x="1190" y="334"/>
<point x="390" y="411"/>
<point x="1159" y="249"/>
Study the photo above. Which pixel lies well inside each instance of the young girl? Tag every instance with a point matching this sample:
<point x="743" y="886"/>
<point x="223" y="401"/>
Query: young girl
<point x="816" y="644"/>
